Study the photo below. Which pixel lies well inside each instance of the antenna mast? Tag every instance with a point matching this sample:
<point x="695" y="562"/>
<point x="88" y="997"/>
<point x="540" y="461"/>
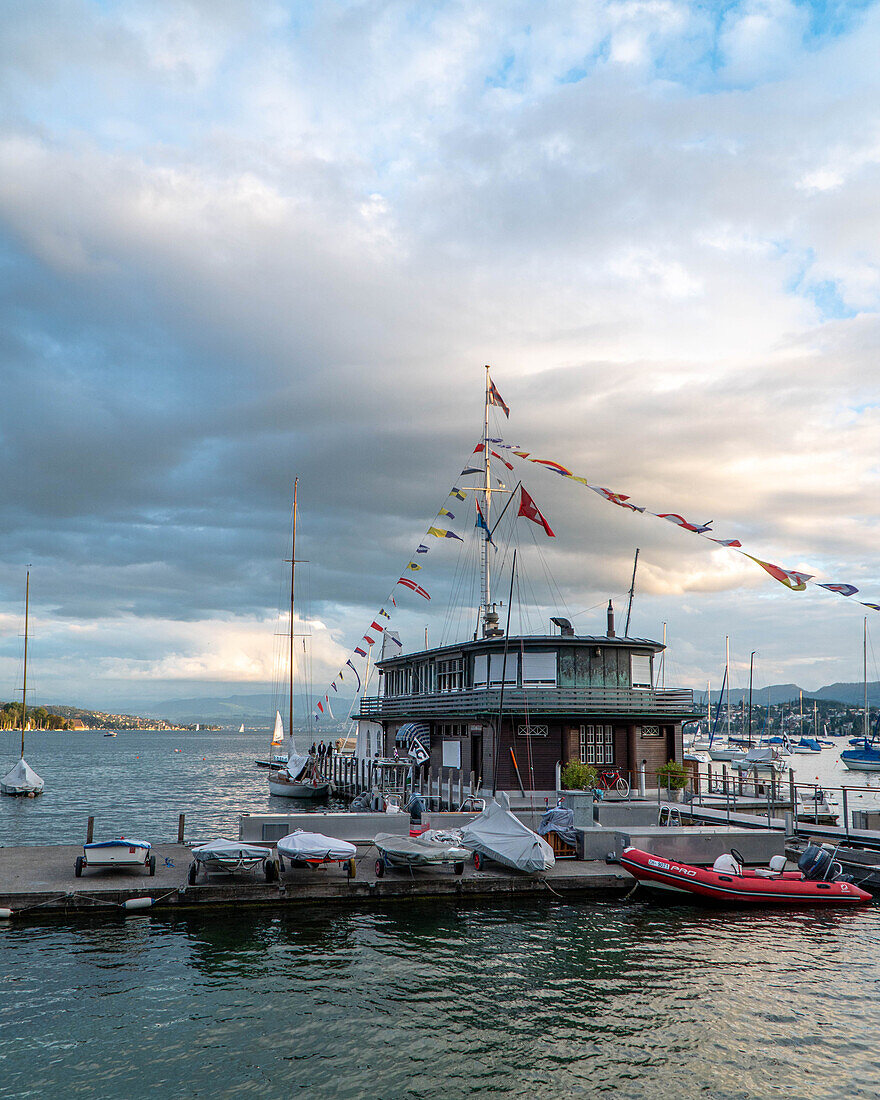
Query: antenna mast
<point x="292" y="568"/>
<point x="487" y="498"/>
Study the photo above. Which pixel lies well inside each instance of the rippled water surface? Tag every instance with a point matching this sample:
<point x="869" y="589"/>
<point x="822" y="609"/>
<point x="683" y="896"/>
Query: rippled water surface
<point x="625" y="999"/>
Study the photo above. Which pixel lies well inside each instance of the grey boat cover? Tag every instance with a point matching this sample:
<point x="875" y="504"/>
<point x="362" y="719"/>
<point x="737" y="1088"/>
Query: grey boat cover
<point x="229" y="850"/>
<point x="497" y="834"/>
<point x="561" y="822"/>
<point x="314" y="846"/>
<point x="21" y="779"/>
<point x="431" y="847"/>
<point x="295" y="765"/>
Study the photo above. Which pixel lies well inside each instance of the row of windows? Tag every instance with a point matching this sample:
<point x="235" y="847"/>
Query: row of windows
<point x="535" y="669"/>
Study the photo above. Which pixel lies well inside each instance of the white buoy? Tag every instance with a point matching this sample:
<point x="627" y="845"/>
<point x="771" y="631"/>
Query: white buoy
<point x="5" y="914"/>
<point x="137" y="903"/>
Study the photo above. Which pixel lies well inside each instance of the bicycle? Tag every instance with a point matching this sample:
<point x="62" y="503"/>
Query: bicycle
<point x="611" y="779"/>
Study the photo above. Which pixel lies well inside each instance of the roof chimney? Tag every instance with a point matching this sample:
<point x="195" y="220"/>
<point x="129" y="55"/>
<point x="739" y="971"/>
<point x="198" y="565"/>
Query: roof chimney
<point x="610" y="619"/>
<point x="565" y="627"/>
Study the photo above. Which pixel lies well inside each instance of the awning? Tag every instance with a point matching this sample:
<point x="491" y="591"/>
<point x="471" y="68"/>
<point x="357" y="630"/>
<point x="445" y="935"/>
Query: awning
<point x="414" y="733"/>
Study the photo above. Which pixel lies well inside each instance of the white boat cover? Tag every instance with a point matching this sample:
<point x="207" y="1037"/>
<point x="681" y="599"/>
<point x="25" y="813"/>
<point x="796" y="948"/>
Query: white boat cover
<point x="497" y="834"/>
<point x="312" y="846"/>
<point x="229" y="849"/>
<point x="21" y="779"/>
<point x="434" y="846"/>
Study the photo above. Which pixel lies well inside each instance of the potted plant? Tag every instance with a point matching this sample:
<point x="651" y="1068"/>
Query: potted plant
<point x="674" y="777"/>
<point x="577" y="776"/>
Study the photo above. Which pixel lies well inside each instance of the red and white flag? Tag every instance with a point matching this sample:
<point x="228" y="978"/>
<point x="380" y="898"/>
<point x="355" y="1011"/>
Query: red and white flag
<point x="529" y="509"/>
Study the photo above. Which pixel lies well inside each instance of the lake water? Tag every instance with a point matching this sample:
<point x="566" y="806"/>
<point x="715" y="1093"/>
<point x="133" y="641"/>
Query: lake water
<point x="558" y="999"/>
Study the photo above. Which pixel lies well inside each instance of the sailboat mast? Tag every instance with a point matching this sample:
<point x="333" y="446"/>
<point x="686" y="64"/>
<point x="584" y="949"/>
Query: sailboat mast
<point x="292" y="573"/>
<point x="727" y="677"/>
<point x="864" y="665"/>
<point x="27" y="591"/>
<point x="751" y="673"/>
<point x="487" y="497"/>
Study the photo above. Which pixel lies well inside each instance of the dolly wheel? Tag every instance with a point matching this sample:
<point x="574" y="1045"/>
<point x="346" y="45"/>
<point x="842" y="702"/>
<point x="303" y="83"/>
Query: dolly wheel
<point x="478" y="861"/>
<point x="192" y="875"/>
<point x="380" y="867"/>
<point x="351" y="868"/>
<point x="458" y="868"/>
<point x="78" y="867"/>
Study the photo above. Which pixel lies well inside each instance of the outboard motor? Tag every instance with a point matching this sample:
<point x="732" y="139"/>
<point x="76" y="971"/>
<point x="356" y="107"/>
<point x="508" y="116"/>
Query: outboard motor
<point x="416" y="809"/>
<point x="817" y="864"/>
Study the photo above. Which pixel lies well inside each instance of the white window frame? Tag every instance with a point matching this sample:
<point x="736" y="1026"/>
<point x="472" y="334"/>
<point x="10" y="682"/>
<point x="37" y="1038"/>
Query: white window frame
<point x="539" y="668"/>
<point x="640" y="672"/>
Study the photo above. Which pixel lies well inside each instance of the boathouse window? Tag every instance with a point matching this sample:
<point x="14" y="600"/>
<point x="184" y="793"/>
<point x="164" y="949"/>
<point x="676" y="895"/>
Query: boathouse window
<point x="597" y="745"/>
<point x="452" y="729"/>
<point x="511" y="669"/>
<point x="423" y="679"/>
<point x="539" y="669"/>
<point x="641" y="671"/>
<point x="532" y="731"/>
<point x="449" y="674"/>
<point x="650" y="731"/>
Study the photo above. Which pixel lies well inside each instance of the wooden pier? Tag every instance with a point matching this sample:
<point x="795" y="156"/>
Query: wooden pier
<point x="39" y="882"/>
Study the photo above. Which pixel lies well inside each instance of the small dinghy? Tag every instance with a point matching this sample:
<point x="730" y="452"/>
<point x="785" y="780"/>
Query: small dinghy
<point x="230" y="857"/>
<point x="313" y="850"/>
<point x="431" y="849"/>
<point x="22" y="780"/>
<point x="497" y="834"/>
<point x="121" y="853"/>
<point x="727" y="881"/>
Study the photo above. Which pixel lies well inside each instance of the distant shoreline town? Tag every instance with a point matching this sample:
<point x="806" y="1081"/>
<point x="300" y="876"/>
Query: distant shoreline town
<point x="75" y="719"/>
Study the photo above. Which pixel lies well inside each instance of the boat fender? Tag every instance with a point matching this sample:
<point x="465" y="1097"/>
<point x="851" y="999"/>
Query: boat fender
<point x="5" y="914"/>
<point x="137" y="903"/>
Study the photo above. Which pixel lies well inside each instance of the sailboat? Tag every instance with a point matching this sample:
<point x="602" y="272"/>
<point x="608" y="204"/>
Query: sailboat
<point x="867" y="757"/>
<point x="241" y="728"/>
<point x="276" y="759"/>
<point x="298" y="777"/>
<point x="22" y="779"/>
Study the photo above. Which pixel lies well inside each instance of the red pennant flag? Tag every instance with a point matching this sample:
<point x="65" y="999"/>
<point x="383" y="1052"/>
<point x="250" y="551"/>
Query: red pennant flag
<point x="529" y="509"/>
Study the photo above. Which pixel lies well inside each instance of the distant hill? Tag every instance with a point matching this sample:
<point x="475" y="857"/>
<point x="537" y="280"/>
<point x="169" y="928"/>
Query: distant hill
<point x="850" y="694"/>
<point x="233" y="710"/>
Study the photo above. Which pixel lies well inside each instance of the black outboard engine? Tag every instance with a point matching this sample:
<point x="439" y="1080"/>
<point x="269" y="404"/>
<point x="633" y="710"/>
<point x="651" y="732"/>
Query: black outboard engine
<point x="817" y="864"/>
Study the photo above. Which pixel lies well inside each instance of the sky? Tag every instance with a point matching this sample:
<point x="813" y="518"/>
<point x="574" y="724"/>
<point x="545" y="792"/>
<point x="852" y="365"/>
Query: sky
<point x="244" y="242"/>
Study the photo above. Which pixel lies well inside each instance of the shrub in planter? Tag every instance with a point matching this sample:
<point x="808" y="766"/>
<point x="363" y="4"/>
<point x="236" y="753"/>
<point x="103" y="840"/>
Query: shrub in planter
<point x="578" y="777"/>
<point x="672" y="775"/>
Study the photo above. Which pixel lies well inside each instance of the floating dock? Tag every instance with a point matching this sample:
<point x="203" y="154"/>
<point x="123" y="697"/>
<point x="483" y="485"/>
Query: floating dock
<point x="40" y="881"/>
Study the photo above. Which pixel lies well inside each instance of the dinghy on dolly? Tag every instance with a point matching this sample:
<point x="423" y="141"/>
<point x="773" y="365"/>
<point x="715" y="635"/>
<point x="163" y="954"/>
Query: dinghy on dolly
<point x="729" y="883"/>
<point x="230" y="857"/>
<point x="119" y="854"/>
<point x="431" y="849"/>
<point x="314" y="850"/>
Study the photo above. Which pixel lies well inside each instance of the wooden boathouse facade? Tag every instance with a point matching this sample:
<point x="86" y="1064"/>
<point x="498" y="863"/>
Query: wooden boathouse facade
<point x="549" y="699"/>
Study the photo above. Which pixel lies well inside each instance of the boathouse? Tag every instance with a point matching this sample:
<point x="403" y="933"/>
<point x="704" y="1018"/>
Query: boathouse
<point x="533" y="702"/>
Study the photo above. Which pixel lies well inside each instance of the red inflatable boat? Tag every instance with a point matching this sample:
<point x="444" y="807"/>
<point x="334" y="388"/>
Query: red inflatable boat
<point x="759" y="887"/>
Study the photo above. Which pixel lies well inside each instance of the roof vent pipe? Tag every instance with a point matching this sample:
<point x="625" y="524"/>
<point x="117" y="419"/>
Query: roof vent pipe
<point x="610" y="631"/>
<point x="565" y="627"/>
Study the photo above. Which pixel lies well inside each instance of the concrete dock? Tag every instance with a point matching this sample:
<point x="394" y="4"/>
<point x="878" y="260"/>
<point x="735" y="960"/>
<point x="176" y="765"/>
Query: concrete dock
<point x="37" y="882"/>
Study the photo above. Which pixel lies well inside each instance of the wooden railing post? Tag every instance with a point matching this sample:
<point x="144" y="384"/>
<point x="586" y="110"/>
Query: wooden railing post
<point x="90" y="830"/>
<point x="181" y="822"/>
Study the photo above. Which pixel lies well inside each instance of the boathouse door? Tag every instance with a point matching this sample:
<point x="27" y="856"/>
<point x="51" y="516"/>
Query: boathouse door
<point x="477" y="757"/>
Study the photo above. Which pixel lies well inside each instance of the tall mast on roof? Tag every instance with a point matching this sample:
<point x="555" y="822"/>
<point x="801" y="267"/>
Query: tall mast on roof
<point x="487" y="503"/>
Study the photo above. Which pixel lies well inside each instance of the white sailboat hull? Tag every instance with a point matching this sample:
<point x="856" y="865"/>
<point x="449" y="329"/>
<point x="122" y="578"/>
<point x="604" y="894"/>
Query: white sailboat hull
<point x="289" y="788"/>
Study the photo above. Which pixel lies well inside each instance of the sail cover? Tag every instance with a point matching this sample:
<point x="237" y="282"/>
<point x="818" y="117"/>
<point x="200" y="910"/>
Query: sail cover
<point x="497" y="834"/>
<point x="22" y="779"/>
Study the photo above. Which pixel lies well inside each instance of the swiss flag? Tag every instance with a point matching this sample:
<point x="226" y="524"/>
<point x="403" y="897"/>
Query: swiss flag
<point x="529" y="509"/>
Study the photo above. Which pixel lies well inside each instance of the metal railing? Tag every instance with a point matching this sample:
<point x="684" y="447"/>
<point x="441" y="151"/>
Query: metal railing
<point x="474" y="702"/>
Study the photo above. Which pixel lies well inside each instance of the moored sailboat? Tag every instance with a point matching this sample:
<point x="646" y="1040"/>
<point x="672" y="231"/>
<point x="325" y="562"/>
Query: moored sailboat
<point x="22" y="779"/>
<point x="298" y="776"/>
<point x="867" y="757"/>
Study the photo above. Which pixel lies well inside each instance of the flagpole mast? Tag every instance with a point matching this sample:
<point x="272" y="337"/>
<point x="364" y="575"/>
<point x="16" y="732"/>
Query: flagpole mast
<point x="487" y="497"/>
<point x="292" y="568"/>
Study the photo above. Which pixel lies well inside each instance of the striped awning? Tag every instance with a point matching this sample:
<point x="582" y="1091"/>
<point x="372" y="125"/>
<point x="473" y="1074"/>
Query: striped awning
<point x="411" y="733"/>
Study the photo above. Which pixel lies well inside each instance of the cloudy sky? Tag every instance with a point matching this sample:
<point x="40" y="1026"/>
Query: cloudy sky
<point x="242" y="242"/>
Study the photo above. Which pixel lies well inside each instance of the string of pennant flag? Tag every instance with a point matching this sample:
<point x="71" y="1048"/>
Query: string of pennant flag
<point x="793" y="579"/>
